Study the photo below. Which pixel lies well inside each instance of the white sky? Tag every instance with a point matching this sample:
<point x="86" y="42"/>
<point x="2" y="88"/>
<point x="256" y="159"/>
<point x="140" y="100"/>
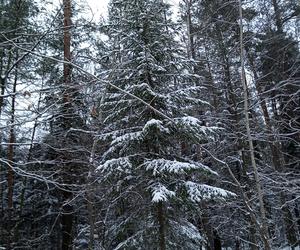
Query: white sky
<point x="99" y="7"/>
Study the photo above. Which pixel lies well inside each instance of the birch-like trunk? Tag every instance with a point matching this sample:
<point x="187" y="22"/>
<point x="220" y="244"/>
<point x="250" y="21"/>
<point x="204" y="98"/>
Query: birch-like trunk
<point x="265" y="236"/>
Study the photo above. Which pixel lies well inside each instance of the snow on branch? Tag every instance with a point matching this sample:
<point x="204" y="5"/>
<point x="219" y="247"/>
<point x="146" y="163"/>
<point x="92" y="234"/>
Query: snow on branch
<point x="194" y="125"/>
<point x="161" y="193"/>
<point x="154" y="124"/>
<point x="186" y="229"/>
<point x="127" y="137"/>
<point x="201" y="192"/>
<point x="119" y="164"/>
<point x="159" y="166"/>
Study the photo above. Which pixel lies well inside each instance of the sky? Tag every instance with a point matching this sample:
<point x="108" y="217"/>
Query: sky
<point x="99" y="7"/>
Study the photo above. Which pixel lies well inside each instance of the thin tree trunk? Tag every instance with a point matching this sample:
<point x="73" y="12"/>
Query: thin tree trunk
<point x="211" y="81"/>
<point x="10" y="157"/>
<point x="67" y="41"/>
<point x="10" y="153"/>
<point x="253" y="240"/>
<point x="265" y="237"/>
<point x="29" y="155"/>
<point x="90" y="207"/>
<point x="3" y="79"/>
<point x="89" y="193"/>
<point x="278" y="20"/>
<point x="297" y="214"/>
<point x="277" y="158"/>
<point x="190" y="45"/>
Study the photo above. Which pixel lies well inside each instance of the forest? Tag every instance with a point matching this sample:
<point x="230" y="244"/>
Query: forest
<point x="155" y="126"/>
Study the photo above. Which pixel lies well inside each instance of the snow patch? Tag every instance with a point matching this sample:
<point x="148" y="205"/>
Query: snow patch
<point x="161" y="193"/>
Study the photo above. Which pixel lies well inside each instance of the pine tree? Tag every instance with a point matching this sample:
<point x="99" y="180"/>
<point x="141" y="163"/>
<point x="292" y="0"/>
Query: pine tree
<point x="150" y="182"/>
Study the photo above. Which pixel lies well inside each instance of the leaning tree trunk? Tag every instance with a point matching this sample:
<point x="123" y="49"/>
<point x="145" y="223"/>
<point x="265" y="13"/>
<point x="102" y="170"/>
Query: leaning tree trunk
<point x="265" y="236"/>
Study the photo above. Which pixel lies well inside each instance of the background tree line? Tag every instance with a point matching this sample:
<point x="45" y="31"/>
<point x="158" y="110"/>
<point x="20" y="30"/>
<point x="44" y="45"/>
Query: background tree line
<point x="149" y="129"/>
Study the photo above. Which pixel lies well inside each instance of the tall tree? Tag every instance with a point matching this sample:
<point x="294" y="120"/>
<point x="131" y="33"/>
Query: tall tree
<point x="155" y="181"/>
<point x="67" y="212"/>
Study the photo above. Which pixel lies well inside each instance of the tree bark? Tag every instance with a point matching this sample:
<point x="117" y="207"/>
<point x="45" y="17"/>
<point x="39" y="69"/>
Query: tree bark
<point x="67" y="221"/>
<point x="278" y="20"/>
<point x="67" y="41"/>
<point x="217" y="241"/>
<point x="67" y="209"/>
<point x="10" y="157"/>
<point x="189" y="26"/>
<point x="10" y="153"/>
<point x="161" y="223"/>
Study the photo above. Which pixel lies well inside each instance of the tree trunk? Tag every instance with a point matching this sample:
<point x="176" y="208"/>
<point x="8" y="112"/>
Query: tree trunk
<point x="90" y="207"/>
<point x="10" y="157"/>
<point x="217" y="241"/>
<point x="276" y="155"/>
<point x="290" y="230"/>
<point x="67" y="209"/>
<point x="278" y="20"/>
<point x="10" y="153"/>
<point x="190" y="39"/>
<point x="67" y="221"/>
<point x="161" y="223"/>
<point x="265" y="237"/>
<point x="297" y="215"/>
<point x="3" y="78"/>
<point x="67" y="41"/>
<point x="253" y="240"/>
<point x="90" y="196"/>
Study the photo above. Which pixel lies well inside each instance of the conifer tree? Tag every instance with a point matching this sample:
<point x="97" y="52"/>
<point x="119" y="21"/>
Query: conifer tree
<point x="150" y="182"/>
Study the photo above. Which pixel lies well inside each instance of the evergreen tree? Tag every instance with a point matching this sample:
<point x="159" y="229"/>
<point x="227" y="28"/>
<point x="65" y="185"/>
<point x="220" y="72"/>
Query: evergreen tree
<point x="150" y="182"/>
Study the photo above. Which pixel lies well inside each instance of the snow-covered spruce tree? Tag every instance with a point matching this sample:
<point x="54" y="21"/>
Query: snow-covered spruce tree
<point x="150" y="184"/>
